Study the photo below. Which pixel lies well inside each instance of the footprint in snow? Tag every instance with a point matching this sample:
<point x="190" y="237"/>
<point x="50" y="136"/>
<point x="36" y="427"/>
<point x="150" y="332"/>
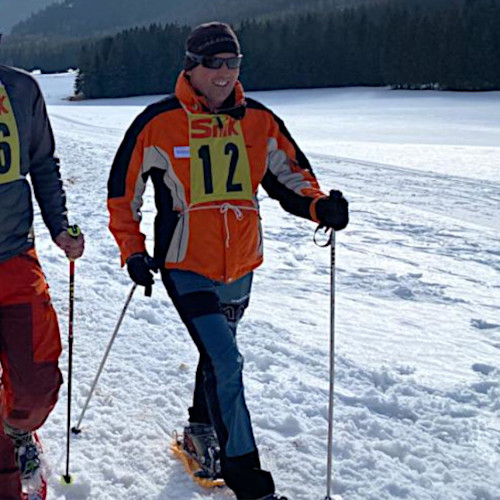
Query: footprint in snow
<point x="483" y="368"/>
<point x="482" y="324"/>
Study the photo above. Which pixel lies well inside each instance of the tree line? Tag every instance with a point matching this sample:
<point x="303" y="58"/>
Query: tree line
<point x="51" y="39"/>
<point x="49" y="54"/>
<point x="135" y="62"/>
<point x="454" y="48"/>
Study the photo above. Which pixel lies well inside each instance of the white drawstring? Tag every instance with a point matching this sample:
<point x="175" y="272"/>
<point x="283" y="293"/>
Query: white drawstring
<point x="237" y="212"/>
<point x="224" y="209"/>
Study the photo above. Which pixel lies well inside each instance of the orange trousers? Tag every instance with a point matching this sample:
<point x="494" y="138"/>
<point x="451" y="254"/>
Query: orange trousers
<point x="30" y="346"/>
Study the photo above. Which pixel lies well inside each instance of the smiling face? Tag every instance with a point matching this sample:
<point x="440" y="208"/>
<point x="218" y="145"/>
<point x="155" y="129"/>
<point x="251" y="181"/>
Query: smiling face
<point x="215" y="84"/>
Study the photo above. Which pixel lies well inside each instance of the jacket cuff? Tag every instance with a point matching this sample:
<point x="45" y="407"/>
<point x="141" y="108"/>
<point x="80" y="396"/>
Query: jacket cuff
<point x="131" y="250"/>
<point x="57" y="227"/>
<point x="312" y="208"/>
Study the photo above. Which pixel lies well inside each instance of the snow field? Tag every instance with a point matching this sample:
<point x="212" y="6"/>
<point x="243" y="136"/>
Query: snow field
<point x="418" y="325"/>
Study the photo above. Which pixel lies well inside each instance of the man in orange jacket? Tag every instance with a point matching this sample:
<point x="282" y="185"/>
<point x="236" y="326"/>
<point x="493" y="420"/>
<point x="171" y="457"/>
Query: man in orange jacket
<point x="30" y="343"/>
<point x="207" y="149"/>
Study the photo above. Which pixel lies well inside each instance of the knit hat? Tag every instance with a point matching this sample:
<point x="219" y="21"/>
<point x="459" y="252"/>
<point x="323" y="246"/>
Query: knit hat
<point x="209" y="39"/>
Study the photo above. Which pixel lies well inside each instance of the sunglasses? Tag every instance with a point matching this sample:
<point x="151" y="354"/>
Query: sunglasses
<point x="211" y="62"/>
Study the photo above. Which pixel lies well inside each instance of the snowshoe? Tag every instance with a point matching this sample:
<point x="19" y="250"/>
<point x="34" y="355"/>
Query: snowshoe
<point x="198" y="449"/>
<point x="201" y="442"/>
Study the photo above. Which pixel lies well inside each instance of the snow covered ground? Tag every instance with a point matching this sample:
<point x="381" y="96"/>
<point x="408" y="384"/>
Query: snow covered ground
<point x="417" y="412"/>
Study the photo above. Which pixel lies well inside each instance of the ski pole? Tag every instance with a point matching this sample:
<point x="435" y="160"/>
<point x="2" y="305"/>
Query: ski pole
<point x="329" y="466"/>
<point x="74" y="232"/>
<point x="332" y="366"/>
<point x="76" y="429"/>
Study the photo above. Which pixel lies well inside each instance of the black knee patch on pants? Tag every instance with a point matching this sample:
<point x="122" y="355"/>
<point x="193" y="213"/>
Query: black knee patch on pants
<point x="191" y="305"/>
<point x="198" y="304"/>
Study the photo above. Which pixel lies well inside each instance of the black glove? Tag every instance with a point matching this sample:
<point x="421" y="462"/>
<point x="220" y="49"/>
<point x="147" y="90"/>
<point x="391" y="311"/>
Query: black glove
<point x="333" y="211"/>
<point x="140" y="267"/>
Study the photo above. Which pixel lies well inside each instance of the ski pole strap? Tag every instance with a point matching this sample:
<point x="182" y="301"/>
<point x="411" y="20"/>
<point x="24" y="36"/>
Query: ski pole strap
<point x="326" y="230"/>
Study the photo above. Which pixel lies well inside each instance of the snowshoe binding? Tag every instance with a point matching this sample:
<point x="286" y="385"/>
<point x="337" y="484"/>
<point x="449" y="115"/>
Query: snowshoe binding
<point x="198" y="448"/>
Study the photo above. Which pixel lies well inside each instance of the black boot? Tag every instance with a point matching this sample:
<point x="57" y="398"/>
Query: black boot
<point x="245" y="477"/>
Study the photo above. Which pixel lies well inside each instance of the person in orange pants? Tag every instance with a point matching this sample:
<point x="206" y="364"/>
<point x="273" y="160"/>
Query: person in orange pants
<point x="30" y="343"/>
<point x="30" y="346"/>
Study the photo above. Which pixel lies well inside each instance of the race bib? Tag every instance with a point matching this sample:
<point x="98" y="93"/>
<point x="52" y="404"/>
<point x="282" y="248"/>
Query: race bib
<point x="219" y="166"/>
<point x="10" y="156"/>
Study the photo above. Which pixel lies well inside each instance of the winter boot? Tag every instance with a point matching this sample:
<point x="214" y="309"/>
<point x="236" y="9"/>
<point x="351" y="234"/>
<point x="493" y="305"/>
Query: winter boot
<point x="201" y="442"/>
<point x="27" y="451"/>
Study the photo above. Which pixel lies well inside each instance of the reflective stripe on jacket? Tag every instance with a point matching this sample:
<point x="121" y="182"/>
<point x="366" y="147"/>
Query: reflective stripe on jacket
<point x="206" y="169"/>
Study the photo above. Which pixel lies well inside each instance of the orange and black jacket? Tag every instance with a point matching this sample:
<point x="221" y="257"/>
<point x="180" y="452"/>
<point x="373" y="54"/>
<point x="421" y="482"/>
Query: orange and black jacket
<point x="206" y="169"/>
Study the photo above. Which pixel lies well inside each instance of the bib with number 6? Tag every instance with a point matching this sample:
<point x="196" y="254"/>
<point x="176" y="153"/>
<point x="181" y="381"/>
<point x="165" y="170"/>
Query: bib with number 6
<point x="219" y="167"/>
<point x="10" y="156"/>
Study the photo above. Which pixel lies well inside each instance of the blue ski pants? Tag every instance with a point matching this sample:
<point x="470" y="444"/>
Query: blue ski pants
<point x="211" y="312"/>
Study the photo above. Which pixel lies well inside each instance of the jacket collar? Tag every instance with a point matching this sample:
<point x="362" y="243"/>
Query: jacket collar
<point x="194" y="102"/>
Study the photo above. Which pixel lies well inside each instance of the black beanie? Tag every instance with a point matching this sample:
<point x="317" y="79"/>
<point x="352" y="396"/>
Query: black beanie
<point x="209" y="39"/>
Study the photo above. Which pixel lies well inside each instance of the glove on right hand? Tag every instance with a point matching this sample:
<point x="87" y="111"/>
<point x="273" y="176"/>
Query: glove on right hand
<point x="140" y="267"/>
<point x="333" y="211"/>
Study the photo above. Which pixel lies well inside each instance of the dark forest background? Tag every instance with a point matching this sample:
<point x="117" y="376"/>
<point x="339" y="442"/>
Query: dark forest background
<point x="453" y="45"/>
<point x="83" y="18"/>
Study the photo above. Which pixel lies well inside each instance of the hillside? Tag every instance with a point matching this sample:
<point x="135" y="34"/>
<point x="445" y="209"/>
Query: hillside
<point x="14" y="11"/>
<point x="77" y="18"/>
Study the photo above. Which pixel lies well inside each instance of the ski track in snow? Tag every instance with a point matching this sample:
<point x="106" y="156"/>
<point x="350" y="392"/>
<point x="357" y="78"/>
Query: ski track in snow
<point x="418" y="338"/>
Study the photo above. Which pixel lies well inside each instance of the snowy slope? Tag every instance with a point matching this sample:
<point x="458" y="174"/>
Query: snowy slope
<point x="418" y="320"/>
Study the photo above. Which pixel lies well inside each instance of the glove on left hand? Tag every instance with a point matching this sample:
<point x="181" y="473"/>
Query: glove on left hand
<point x="333" y="211"/>
<point x="140" y="267"/>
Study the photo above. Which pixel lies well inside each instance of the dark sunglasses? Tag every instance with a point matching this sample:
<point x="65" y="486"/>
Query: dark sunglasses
<point x="211" y="62"/>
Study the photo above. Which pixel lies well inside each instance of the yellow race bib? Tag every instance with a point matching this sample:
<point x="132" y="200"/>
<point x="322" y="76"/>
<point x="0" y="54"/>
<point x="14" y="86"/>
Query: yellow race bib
<point x="10" y="156"/>
<point x="219" y="167"/>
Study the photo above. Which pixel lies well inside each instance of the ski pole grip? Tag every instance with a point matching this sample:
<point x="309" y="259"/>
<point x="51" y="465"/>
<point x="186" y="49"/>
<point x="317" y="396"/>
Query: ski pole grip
<point x="153" y="265"/>
<point x="74" y="231"/>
